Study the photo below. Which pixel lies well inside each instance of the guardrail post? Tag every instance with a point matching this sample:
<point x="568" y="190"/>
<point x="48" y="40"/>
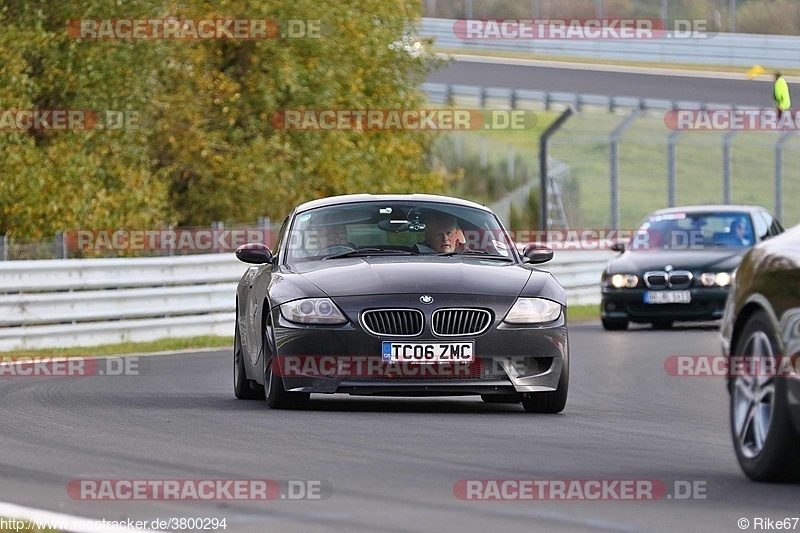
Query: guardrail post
<point x="613" y="165"/>
<point x="727" y="167"/>
<point x="4" y="248"/>
<point x="547" y="101"/>
<point x="483" y="97"/>
<point x="513" y="98"/>
<point x="551" y="129"/>
<point x="779" y="172"/>
<point x="578" y="102"/>
<point x="448" y="95"/>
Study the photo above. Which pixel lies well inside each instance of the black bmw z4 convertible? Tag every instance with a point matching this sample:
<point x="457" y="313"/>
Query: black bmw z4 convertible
<point x="399" y="295"/>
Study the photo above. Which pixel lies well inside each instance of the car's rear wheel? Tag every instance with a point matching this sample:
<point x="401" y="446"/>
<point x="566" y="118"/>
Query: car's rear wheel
<point x="548" y="402"/>
<point x="766" y="444"/>
<point x="501" y="398"/>
<point x="615" y="324"/>
<point x="243" y="388"/>
<point x="275" y="392"/>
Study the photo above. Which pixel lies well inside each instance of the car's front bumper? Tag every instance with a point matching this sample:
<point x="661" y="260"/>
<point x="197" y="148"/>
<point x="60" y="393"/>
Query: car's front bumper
<point x="707" y="303"/>
<point x="347" y="359"/>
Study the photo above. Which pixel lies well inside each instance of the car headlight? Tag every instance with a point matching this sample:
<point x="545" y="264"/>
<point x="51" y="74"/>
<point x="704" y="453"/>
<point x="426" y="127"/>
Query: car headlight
<point x="720" y="279"/>
<point x="619" y="281"/>
<point x="533" y="311"/>
<point x="312" y="311"/>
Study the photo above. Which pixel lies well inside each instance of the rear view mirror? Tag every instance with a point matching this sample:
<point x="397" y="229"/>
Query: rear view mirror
<point x="255" y="253"/>
<point x="537" y="253"/>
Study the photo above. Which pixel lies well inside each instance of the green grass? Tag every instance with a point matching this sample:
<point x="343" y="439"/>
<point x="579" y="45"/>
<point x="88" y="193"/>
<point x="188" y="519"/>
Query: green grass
<point x="583" y="313"/>
<point x="163" y="345"/>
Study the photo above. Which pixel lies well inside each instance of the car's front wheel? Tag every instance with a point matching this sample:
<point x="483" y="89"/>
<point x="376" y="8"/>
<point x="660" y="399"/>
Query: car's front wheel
<point x="766" y="444"/>
<point x="243" y="388"/>
<point x="548" y="402"/>
<point x="275" y="392"/>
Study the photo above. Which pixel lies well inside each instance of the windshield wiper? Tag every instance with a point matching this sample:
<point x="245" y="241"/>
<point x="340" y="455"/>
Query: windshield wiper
<point x="370" y="251"/>
<point x="480" y="253"/>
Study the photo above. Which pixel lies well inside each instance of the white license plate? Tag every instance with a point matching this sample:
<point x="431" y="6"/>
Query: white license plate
<point x="428" y="352"/>
<point x="667" y="297"/>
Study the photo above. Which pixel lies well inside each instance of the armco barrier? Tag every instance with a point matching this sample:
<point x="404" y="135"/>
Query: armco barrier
<point x="88" y="302"/>
<point x="732" y="49"/>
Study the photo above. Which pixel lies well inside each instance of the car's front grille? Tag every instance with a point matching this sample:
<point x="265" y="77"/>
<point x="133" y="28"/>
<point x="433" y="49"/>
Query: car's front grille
<point x="453" y="322"/>
<point x="680" y="279"/>
<point x="656" y="280"/>
<point x="399" y="322"/>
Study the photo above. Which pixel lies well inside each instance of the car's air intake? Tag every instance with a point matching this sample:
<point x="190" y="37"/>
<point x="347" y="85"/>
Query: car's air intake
<point x="400" y="322"/>
<point x="452" y="322"/>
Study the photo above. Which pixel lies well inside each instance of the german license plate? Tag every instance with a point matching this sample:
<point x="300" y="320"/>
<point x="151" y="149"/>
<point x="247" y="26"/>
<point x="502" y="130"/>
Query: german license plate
<point x="428" y="352"/>
<point x="667" y="297"/>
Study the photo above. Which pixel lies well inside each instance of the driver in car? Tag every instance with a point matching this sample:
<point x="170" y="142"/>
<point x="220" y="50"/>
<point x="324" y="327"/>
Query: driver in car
<point x="442" y="234"/>
<point x="333" y="235"/>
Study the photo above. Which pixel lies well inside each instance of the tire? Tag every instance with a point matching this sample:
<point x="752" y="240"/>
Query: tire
<point x="615" y="324"/>
<point x="275" y="393"/>
<point x="243" y="388"/>
<point x="502" y="398"/>
<point x="548" y="402"/>
<point x="766" y="444"/>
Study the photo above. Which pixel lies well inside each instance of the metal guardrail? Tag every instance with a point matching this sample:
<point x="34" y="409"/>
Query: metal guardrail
<point x="88" y="302"/>
<point x="494" y="97"/>
<point x="732" y="49"/>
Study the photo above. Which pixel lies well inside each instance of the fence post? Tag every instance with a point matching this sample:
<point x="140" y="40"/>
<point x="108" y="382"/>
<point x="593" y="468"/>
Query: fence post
<point x="551" y="129"/>
<point x="672" y="168"/>
<point x="4" y="248"/>
<point x="727" y="167"/>
<point x="60" y="246"/>
<point x="511" y="167"/>
<point x="216" y="227"/>
<point x="779" y="172"/>
<point x="613" y="165"/>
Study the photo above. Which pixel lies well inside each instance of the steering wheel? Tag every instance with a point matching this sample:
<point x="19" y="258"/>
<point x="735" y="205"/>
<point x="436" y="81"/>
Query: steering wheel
<point x="333" y="249"/>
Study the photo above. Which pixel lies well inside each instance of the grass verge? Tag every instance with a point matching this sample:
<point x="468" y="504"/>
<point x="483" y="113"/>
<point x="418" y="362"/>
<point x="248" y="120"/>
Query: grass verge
<point x="163" y="345"/>
<point x="583" y="313"/>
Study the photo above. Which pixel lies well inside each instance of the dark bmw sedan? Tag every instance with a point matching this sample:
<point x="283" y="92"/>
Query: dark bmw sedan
<point x="761" y="337"/>
<point x="679" y="264"/>
<point x="411" y="295"/>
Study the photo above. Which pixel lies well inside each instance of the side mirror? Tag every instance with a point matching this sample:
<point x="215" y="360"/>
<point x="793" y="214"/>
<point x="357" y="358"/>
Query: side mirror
<point x="618" y="246"/>
<point x="537" y="253"/>
<point x="255" y="253"/>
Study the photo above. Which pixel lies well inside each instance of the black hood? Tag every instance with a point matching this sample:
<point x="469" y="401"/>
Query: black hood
<point x="711" y="260"/>
<point x="381" y="275"/>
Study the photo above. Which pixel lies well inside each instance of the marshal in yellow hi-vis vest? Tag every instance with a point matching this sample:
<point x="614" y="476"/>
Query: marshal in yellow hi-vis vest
<point x="781" y="93"/>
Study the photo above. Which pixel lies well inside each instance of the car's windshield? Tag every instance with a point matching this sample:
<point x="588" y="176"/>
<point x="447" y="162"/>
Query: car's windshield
<point x="398" y="229"/>
<point x="693" y="231"/>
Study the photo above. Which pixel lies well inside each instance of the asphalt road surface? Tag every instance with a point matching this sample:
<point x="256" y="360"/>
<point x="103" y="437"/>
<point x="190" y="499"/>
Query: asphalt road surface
<point x="392" y="464"/>
<point x="672" y="86"/>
